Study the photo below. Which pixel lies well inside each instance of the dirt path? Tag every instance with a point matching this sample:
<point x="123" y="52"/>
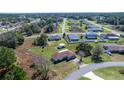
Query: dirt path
<point x="25" y="58"/>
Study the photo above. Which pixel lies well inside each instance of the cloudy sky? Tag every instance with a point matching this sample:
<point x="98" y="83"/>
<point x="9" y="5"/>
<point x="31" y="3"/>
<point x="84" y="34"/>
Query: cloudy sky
<point x="61" y="6"/>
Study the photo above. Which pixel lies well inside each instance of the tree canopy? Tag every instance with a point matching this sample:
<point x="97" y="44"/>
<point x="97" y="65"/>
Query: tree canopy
<point x="85" y="47"/>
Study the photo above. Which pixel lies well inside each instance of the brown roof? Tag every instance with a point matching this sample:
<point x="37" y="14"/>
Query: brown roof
<point x="60" y="55"/>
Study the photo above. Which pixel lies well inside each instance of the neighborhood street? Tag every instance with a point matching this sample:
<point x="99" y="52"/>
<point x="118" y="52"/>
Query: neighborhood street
<point x="63" y="25"/>
<point x="78" y="73"/>
<point x="99" y="25"/>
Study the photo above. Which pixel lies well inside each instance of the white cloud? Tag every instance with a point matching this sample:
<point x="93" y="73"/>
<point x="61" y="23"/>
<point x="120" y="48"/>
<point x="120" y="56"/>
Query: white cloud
<point x="61" y="6"/>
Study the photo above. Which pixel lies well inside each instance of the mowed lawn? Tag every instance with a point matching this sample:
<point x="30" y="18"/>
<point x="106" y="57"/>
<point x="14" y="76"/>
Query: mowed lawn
<point x="111" y="73"/>
<point x="51" y="48"/>
<point x="62" y="69"/>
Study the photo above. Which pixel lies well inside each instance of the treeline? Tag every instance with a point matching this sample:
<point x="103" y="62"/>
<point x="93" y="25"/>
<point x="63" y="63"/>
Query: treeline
<point x="49" y="24"/>
<point x="112" y="20"/>
<point x="11" y="39"/>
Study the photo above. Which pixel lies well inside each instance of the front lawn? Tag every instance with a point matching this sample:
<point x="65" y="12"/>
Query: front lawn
<point x="62" y="69"/>
<point x="111" y="73"/>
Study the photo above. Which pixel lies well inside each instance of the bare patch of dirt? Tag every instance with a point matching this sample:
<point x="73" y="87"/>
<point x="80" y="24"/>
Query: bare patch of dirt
<point x="117" y="57"/>
<point x="25" y="58"/>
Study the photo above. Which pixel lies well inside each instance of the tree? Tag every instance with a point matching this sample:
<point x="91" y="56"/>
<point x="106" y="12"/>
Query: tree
<point x="11" y="39"/>
<point x="20" y="38"/>
<point x="81" y="54"/>
<point x="41" y="41"/>
<point x="97" y="52"/>
<point x="7" y="57"/>
<point x="8" y="70"/>
<point x="15" y="73"/>
<point x="35" y="28"/>
<point x="8" y="40"/>
<point x="64" y="35"/>
<point x="85" y="47"/>
<point x="42" y="71"/>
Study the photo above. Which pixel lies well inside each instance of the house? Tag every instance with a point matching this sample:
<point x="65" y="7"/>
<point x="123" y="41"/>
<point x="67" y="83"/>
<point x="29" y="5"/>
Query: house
<point x="54" y="38"/>
<point x="73" y="37"/>
<point x="114" y="48"/>
<point x="91" y="35"/>
<point x="109" y="36"/>
<point x="90" y="26"/>
<point x="64" y="55"/>
<point x="95" y="29"/>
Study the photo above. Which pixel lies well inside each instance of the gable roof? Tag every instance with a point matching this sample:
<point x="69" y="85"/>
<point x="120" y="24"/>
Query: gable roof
<point x="62" y="54"/>
<point x="73" y="36"/>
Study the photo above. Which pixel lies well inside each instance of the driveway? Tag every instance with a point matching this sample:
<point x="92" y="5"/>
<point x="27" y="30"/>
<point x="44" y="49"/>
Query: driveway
<point x="92" y="76"/>
<point x="78" y="73"/>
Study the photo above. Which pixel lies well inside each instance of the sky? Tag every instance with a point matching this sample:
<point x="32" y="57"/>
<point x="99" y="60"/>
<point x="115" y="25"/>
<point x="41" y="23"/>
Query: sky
<point x="32" y="6"/>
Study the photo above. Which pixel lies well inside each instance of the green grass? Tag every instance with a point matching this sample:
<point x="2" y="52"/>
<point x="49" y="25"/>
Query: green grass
<point x="84" y="78"/>
<point x="49" y="50"/>
<point x="62" y="68"/>
<point x="111" y="73"/>
<point x="1" y="30"/>
<point x="60" y="27"/>
<point x="105" y="58"/>
<point x="83" y="27"/>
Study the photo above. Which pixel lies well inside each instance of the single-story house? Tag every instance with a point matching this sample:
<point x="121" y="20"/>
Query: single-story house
<point x="73" y="37"/>
<point x="64" y="55"/>
<point x="95" y="29"/>
<point x="114" y="48"/>
<point x="91" y="35"/>
<point x="54" y="38"/>
<point x="110" y="36"/>
<point x="90" y="26"/>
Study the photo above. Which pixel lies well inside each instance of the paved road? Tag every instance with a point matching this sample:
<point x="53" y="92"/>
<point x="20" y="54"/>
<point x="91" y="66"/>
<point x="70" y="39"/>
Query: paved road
<point x="63" y="26"/>
<point x="77" y="74"/>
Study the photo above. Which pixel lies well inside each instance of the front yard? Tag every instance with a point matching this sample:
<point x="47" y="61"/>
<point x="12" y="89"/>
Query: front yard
<point x="62" y="69"/>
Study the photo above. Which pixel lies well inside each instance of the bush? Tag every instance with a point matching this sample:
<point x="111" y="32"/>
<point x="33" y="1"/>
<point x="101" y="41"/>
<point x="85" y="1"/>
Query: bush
<point x="20" y="38"/>
<point x="15" y="73"/>
<point x="7" y="57"/>
<point x="41" y="41"/>
<point x="11" y="39"/>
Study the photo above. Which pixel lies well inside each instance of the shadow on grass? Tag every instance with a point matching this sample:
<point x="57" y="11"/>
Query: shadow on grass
<point x="98" y="60"/>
